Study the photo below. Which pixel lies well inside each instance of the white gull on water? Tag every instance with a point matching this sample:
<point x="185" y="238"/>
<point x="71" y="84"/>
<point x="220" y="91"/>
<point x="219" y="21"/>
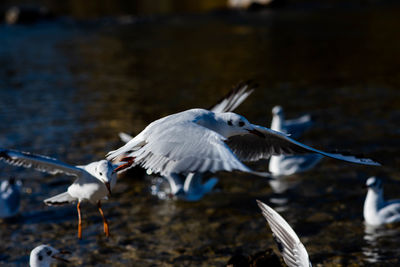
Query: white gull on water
<point x="93" y="183"/>
<point x="199" y="140"/>
<point x="193" y="188"/>
<point x="294" y="127"/>
<point x="283" y="165"/>
<point x="45" y="255"/>
<point x="377" y="211"/>
<point x="10" y="195"/>
<point x="293" y="251"/>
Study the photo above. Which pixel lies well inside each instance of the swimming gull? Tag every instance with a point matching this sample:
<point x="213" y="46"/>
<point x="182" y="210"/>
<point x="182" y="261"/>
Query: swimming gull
<point x="377" y="211"/>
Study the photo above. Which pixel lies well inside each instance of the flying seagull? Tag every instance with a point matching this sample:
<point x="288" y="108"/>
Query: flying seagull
<point x="199" y="140"/>
<point x="193" y="188"/>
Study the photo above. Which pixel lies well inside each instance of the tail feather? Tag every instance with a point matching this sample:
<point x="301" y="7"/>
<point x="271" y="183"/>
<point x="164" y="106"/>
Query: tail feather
<point x="61" y="199"/>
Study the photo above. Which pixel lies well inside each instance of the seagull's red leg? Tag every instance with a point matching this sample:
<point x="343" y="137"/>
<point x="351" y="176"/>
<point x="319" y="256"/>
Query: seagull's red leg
<point x="129" y="162"/>
<point x="80" y="220"/>
<point x="105" y="223"/>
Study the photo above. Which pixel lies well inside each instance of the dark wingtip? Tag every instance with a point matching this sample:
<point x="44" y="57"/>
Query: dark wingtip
<point x="4" y="154"/>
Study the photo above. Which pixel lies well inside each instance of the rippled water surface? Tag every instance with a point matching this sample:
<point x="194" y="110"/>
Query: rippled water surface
<point x="68" y="87"/>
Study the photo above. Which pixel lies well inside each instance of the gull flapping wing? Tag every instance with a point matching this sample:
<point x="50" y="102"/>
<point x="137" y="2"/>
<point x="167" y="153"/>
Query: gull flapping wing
<point x="234" y="98"/>
<point x="293" y="251"/>
<point x="250" y="147"/>
<point x="187" y="147"/>
<point x="38" y="162"/>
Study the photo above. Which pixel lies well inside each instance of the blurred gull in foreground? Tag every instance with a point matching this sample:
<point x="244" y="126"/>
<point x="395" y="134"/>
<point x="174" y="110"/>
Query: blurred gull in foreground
<point x="377" y="211"/>
<point x="44" y="256"/>
<point x="193" y="188"/>
<point x="200" y="140"/>
<point x="9" y="197"/>
<point x="94" y="181"/>
<point x="293" y="251"/>
<point x="283" y="165"/>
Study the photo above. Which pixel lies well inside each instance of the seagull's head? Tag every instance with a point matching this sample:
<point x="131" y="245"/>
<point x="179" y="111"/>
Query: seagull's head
<point x="44" y="255"/>
<point x="374" y="183"/>
<point x="231" y="124"/>
<point x="277" y="111"/>
<point x="104" y="171"/>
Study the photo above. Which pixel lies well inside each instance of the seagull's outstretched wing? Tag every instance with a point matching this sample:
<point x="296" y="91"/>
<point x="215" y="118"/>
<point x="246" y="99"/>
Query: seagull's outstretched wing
<point x="293" y="251"/>
<point x="38" y="162"/>
<point x="125" y="137"/>
<point x="250" y="147"/>
<point x="234" y="98"/>
<point x="186" y="147"/>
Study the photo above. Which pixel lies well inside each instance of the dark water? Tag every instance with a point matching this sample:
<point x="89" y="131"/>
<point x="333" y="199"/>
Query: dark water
<point x="67" y="88"/>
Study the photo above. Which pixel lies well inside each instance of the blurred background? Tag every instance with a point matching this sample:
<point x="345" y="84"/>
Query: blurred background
<point x="73" y="74"/>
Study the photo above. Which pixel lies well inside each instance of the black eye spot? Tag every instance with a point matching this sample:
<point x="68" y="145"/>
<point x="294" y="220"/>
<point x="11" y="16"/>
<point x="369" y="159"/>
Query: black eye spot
<point x="101" y="173"/>
<point x="230" y="123"/>
<point x="241" y="123"/>
<point x="49" y="252"/>
<point x="40" y="257"/>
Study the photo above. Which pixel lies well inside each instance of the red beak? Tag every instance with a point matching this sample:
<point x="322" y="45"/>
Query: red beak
<point x="108" y="188"/>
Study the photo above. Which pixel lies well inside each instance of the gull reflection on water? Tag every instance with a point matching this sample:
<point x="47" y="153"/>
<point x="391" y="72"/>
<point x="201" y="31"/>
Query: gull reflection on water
<point x="376" y="239"/>
<point x="281" y="184"/>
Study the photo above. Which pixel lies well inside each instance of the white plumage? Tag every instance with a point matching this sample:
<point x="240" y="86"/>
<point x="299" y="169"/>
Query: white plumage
<point x="199" y="140"/>
<point x="44" y="256"/>
<point x="377" y="211"/>
<point x="93" y="183"/>
<point x="191" y="187"/>
<point x="293" y="251"/>
<point x="283" y="165"/>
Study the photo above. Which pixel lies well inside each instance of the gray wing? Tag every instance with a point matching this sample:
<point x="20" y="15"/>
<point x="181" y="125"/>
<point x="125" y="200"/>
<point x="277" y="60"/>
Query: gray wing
<point x="234" y="98"/>
<point x="187" y="147"/>
<point x="293" y="251"/>
<point x="250" y="147"/>
<point x="38" y="162"/>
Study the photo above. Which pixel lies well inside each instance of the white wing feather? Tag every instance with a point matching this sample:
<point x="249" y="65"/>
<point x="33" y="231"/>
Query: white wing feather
<point x="293" y="251"/>
<point x="38" y="162"/>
